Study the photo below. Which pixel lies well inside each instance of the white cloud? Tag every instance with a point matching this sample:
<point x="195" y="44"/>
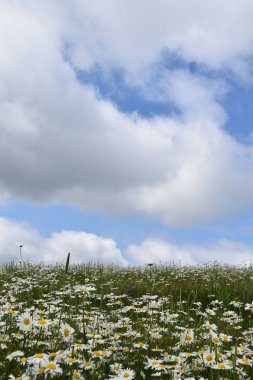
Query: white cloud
<point x="61" y="142"/>
<point x="90" y="248"/>
<point x="133" y="35"/>
<point x="84" y="247"/>
<point x="157" y="251"/>
<point x="196" y="97"/>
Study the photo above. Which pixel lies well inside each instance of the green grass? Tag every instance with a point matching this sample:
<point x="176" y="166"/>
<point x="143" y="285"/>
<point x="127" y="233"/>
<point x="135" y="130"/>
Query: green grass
<point x="174" y="316"/>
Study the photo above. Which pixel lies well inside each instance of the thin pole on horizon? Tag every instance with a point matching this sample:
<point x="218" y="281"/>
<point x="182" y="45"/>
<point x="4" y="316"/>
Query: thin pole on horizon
<point x="20" y="252"/>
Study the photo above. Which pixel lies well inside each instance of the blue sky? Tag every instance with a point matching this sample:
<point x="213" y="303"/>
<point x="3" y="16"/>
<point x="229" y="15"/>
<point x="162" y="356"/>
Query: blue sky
<point x="126" y="137"/>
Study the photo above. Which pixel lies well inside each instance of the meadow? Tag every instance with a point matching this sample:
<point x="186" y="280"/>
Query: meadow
<point x="105" y="322"/>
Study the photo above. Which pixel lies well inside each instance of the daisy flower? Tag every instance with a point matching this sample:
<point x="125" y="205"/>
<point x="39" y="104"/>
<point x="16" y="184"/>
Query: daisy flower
<point x="222" y="366"/>
<point x="67" y="332"/>
<point x="245" y="361"/>
<point x="225" y="338"/>
<point x="15" y="354"/>
<point x="77" y="375"/>
<point x="39" y="359"/>
<point x="80" y="346"/>
<point x="116" y="367"/>
<point x="141" y="345"/>
<point x="24" y="322"/>
<point x="249" y="306"/>
<point x="187" y="336"/>
<point x="85" y="289"/>
<point x="153" y="363"/>
<point x="216" y="340"/>
<point x="209" y="357"/>
<point x="87" y="365"/>
<point x="126" y="374"/>
<point x="53" y="368"/>
<point x="42" y="323"/>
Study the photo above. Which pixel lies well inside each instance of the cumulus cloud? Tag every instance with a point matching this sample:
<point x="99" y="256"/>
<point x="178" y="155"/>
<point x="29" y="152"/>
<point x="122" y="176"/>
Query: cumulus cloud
<point x="84" y="247"/>
<point x="90" y="248"/>
<point x="60" y="141"/>
<point x="133" y="35"/>
<point x="156" y="252"/>
<point x="195" y="96"/>
<point x="161" y="252"/>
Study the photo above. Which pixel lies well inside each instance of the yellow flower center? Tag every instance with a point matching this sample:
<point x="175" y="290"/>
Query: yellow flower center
<point x="66" y="332"/>
<point x="51" y="366"/>
<point x="39" y="356"/>
<point x="221" y="365"/>
<point x="41" y="322"/>
<point x="126" y="375"/>
<point x="209" y="357"/>
<point x="26" y="321"/>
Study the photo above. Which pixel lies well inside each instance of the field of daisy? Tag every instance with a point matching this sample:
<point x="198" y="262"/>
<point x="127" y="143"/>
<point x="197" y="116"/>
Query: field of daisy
<point x="96" y="322"/>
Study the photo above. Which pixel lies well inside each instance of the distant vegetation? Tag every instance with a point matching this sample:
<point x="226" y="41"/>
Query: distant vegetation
<point x="97" y="322"/>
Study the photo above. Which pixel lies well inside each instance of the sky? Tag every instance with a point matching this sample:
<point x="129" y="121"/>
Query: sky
<point x="126" y="131"/>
